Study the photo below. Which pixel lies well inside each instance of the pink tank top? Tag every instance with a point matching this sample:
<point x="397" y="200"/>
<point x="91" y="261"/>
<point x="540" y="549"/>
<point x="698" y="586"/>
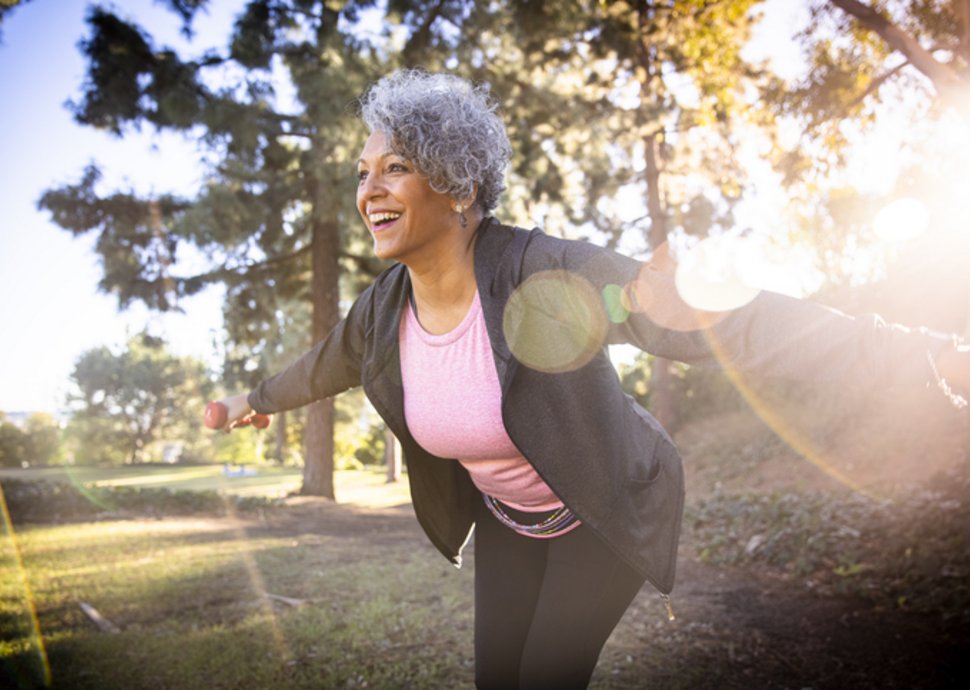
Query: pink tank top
<point x="453" y="408"/>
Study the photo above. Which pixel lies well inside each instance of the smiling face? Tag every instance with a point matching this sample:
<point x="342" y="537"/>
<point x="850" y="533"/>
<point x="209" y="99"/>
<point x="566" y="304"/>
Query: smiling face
<point x="407" y="218"/>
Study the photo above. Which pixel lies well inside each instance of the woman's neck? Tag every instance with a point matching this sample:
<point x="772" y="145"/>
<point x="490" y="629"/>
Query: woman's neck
<point x="444" y="286"/>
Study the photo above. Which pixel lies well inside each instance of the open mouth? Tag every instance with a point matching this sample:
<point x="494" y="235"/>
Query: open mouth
<point x="382" y="221"/>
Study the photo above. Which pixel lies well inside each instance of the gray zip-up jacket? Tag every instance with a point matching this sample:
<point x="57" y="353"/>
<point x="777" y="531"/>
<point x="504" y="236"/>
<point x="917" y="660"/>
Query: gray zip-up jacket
<point x="549" y="306"/>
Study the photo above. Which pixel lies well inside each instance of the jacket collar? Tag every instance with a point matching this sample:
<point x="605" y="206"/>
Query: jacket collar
<point x="498" y="266"/>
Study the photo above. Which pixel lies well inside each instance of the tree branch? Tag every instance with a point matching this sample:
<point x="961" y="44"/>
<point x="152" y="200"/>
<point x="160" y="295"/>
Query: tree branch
<point x="224" y="270"/>
<point x="962" y="9"/>
<point x="943" y="77"/>
<point x="876" y="84"/>
<point x="419" y="39"/>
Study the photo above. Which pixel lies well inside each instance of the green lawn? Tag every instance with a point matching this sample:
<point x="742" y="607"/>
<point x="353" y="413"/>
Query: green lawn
<point x="188" y="597"/>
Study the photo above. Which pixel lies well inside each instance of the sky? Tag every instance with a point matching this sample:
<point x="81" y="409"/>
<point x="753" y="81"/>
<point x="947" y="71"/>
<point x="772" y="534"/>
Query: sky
<point x="51" y="311"/>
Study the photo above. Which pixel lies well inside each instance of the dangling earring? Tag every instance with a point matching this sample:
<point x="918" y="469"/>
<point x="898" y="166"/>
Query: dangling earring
<point x="460" y="210"/>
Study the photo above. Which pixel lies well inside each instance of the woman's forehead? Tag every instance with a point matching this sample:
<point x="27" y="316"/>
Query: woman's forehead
<point x="377" y="146"/>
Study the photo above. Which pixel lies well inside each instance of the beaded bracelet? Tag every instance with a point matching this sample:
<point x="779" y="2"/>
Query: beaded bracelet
<point x="559" y="522"/>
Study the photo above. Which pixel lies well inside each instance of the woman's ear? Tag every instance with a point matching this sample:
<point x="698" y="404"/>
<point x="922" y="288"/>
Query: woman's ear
<point x="469" y="201"/>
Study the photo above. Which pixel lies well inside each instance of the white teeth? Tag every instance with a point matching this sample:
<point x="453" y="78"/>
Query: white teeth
<point x="381" y="217"/>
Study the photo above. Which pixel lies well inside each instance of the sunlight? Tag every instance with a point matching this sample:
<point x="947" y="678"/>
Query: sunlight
<point x="715" y="274"/>
<point x="36" y="635"/>
<point x="257" y="583"/>
<point x="901" y="220"/>
<point x="560" y="303"/>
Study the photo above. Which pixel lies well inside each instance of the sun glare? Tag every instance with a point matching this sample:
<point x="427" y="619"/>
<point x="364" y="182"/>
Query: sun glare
<point x="901" y="220"/>
<point x="715" y="274"/>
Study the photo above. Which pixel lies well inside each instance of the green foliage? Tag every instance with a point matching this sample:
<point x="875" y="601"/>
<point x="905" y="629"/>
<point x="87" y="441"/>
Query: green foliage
<point x="697" y="391"/>
<point x="585" y="88"/>
<point x="127" y="402"/>
<point x="898" y="61"/>
<point x="38" y="443"/>
<point x="14" y="445"/>
<point x="45" y="439"/>
<point x="359" y="433"/>
<point x="46" y="501"/>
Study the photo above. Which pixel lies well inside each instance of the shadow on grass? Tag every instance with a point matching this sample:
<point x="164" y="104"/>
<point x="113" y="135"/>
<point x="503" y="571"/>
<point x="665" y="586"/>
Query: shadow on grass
<point x="380" y="607"/>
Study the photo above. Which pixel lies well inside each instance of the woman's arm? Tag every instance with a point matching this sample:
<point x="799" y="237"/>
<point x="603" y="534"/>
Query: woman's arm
<point x="774" y="335"/>
<point x="333" y="365"/>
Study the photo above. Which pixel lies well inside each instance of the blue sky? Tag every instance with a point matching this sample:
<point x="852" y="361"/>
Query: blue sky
<point x="51" y="310"/>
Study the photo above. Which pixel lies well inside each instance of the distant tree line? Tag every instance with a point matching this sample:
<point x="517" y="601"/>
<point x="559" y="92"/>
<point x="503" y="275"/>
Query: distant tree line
<point x="37" y="442"/>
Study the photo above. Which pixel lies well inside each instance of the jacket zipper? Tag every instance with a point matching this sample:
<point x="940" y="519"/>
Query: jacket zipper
<point x="670" y="609"/>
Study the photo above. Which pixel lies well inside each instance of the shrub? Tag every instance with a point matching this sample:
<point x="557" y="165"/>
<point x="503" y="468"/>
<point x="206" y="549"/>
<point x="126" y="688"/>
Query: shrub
<point x="46" y="501"/>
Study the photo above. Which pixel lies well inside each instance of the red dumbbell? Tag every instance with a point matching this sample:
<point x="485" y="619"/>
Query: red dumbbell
<point x="216" y="415"/>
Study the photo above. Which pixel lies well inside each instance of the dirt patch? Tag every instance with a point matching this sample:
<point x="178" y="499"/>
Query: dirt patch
<point x="734" y="627"/>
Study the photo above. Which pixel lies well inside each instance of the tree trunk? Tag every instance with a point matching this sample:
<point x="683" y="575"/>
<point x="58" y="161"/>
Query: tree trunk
<point x="318" y="439"/>
<point x="392" y="456"/>
<point x="281" y="438"/>
<point x="661" y="372"/>
<point x="661" y="376"/>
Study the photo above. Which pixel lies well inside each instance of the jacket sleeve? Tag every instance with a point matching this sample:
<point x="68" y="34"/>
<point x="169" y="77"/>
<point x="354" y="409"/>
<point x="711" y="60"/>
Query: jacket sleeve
<point x="332" y="366"/>
<point x="773" y="335"/>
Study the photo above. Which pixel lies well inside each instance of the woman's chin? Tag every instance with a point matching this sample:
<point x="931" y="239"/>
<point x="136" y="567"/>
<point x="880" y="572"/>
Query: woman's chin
<point x="383" y="250"/>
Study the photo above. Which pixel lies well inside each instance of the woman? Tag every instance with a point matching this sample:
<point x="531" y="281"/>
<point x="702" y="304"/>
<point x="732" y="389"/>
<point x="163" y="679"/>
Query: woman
<point x="485" y="343"/>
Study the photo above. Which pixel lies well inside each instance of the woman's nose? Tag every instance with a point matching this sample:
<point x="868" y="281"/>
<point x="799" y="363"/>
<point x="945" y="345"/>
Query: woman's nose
<point x="370" y="188"/>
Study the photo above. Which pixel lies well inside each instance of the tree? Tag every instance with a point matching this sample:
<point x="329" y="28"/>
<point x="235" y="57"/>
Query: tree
<point x="38" y="443"/>
<point x="906" y="61"/>
<point x="275" y="216"/>
<point x="943" y="26"/>
<point x="14" y="444"/>
<point x="44" y="436"/>
<point x="276" y="210"/>
<point x="124" y="402"/>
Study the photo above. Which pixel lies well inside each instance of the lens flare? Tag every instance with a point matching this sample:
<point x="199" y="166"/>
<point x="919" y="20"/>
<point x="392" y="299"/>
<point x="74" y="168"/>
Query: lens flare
<point x="36" y="636"/>
<point x="555" y="322"/>
<point x="798" y="441"/>
<point x="719" y="276"/>
<point x="714" y="274"/>
<point x="257" y="583"/>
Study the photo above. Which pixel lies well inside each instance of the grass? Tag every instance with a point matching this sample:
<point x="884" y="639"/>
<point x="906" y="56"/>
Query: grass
<point x="189" y="596"/>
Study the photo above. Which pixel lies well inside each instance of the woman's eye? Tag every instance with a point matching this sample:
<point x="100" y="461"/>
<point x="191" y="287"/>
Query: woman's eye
<point x="397" y="167"/>
<point x="361" y="175"/>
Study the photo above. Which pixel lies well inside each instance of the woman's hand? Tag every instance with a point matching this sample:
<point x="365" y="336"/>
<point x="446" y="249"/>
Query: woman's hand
<point x="237" y="409"/>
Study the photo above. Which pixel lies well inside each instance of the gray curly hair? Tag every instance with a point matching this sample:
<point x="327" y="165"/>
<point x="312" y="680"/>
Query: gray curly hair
<point x="447" y="127"/>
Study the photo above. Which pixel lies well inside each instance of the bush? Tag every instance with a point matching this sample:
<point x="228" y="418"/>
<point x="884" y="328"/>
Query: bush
<point x="46" y="501"/>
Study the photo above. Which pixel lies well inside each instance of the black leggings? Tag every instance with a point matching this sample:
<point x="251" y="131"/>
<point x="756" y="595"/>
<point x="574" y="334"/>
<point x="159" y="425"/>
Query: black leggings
<point x="544" y="607"/>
